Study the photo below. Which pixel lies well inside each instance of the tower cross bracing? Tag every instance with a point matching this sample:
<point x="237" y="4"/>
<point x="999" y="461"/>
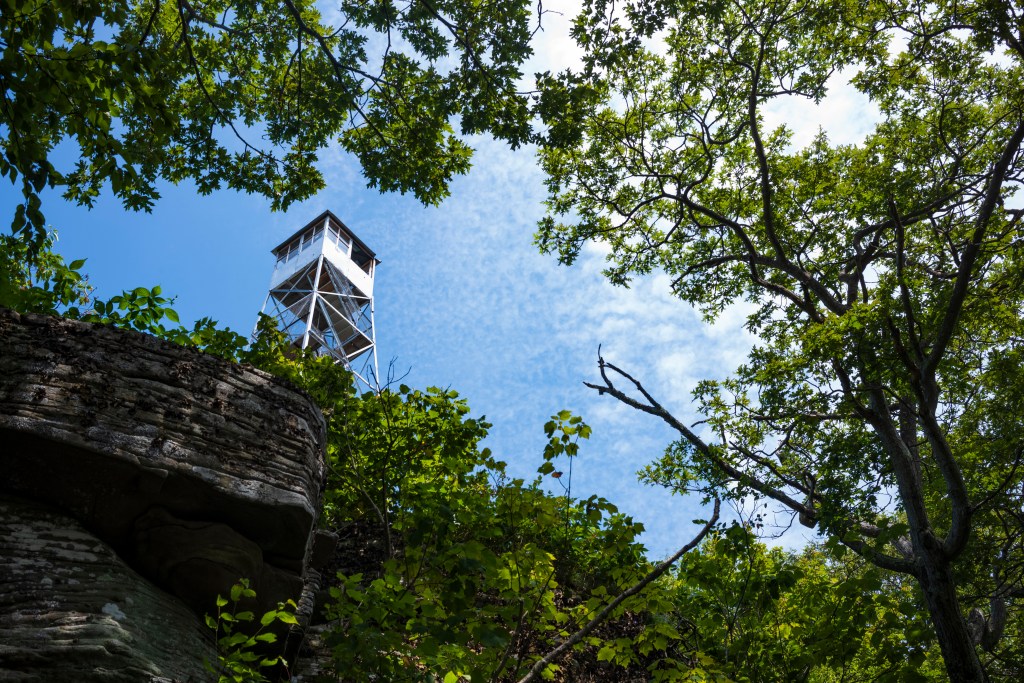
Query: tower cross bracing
<point x="321" y="294"/>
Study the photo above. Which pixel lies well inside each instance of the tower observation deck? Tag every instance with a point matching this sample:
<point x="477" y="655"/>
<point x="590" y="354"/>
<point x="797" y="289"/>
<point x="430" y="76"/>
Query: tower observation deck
<point x="321" y="294"/>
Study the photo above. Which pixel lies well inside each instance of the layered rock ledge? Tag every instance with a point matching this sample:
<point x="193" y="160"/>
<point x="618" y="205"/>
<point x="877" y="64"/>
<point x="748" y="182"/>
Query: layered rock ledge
<point x="72" y="610"/>
<point x="193" y="470"/>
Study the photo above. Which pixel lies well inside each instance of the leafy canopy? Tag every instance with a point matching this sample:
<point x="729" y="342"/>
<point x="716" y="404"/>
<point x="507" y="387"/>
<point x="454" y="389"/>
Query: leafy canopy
<point x="477" y="574"/>
<point x="885" y="275"/>
<point x="247" y="95"/>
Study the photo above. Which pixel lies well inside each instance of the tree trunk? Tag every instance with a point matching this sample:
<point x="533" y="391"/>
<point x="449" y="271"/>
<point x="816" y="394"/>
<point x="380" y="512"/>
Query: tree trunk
<point x="933" y="568"/>
<point x="958" y="650"/>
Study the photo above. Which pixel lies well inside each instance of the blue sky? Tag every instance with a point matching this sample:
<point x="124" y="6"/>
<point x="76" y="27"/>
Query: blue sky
<point x="463" y="298"/>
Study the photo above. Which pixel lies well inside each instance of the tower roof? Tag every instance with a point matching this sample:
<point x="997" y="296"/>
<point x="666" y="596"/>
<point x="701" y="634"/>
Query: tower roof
<point x="339" y="223"/>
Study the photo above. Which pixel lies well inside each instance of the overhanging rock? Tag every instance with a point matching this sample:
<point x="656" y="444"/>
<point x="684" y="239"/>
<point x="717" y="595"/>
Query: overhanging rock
<point x="195" y="470"/>
<point x="71" y="610"/>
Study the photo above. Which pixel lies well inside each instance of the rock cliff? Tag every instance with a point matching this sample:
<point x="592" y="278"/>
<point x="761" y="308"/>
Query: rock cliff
<point x="139" y="479"/>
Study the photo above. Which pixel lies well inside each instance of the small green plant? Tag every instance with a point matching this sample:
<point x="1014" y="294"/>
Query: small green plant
<point x="237" y="661"/>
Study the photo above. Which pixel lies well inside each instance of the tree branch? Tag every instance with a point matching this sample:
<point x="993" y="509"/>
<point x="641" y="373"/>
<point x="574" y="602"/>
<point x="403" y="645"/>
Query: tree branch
<point x="541" y="664"/>
<point x="652" y="407"/>
<point x="970" y="255"/>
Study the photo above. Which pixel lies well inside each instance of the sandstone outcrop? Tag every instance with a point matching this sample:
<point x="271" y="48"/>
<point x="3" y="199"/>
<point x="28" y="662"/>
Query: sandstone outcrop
<point x="179" y="471"/>
<point x="72" y="610"/>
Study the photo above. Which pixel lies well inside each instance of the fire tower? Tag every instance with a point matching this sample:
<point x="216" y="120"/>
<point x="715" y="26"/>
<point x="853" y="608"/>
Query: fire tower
<point x="321" y="294"/>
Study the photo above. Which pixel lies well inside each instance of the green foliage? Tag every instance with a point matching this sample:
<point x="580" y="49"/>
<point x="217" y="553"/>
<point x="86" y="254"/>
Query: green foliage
<point x="885" y="276"/>
<point x="483" y="574"/>
<point x="470" y="568"/>
<point x="247" y="95"/>
<point x="239" y="658"/>
<point x="38" y="280"/>
<point x="767" y="615"/>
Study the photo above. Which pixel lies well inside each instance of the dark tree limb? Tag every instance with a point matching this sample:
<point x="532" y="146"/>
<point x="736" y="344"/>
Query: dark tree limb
<point x="806" y="509"/>
<point x="652" y="407"/>
<point x="636" y="588"/>
<point x="988" y="206"/>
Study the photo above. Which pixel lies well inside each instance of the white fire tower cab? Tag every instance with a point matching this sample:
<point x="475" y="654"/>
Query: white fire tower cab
<point x="321" y="294"/>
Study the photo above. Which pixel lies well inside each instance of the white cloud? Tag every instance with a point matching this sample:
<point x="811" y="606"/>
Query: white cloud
<point x="845" y="114"/>
<point x="465" y="299"/>
<point x="554" y="49"/>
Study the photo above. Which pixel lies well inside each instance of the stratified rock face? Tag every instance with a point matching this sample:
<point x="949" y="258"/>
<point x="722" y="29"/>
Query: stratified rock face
<point x="71" y="610"/>
<point x="196" y="471"/>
